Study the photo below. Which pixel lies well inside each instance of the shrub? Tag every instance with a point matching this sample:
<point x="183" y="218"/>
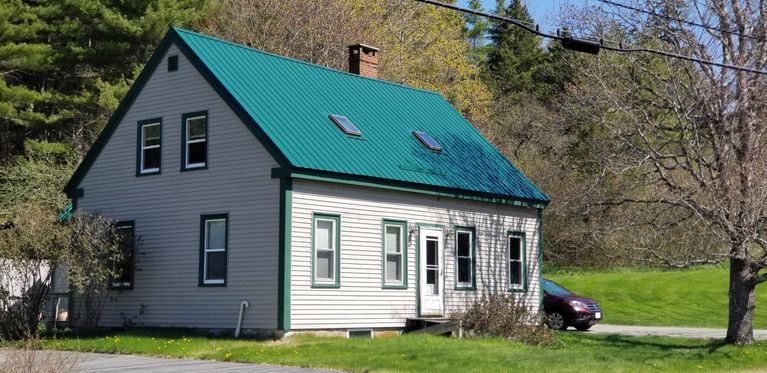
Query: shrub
<point x="500" y="315"/>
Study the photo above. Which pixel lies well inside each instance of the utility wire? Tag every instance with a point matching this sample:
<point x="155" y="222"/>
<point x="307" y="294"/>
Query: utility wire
<point x="598" y="43"/>
<point x="691" y="23"/>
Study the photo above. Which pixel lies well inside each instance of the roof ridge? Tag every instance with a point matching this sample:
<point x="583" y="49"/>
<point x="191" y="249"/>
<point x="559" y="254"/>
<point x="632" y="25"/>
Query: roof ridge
<point x="384" y="81"/>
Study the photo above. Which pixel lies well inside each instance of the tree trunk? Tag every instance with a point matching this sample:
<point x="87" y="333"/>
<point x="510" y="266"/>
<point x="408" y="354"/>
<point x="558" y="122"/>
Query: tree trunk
<point x="740" y="329"/>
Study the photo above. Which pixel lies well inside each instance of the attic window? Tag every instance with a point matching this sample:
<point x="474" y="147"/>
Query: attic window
<point x="172" y="63"/>
<point x="345" y="125"/>
<point x="427" y="140"/>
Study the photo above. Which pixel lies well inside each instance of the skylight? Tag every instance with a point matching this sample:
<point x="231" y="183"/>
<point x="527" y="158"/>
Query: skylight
<point x="345" y="125"/>
<point x="427" y="140"/>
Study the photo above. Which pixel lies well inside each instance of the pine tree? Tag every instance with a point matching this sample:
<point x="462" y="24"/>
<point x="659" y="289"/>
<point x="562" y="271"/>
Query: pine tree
<point x="64" y="65"/>
<point x="514" y="55"/>
<point x="476" y="30"/>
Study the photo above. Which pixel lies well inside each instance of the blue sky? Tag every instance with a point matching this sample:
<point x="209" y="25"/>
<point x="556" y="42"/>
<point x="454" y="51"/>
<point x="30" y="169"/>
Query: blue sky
<point x="542" y="11"/>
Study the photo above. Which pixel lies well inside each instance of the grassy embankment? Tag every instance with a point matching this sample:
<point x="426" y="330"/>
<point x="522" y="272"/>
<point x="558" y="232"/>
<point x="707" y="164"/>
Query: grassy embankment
<point x="694" y="297"/>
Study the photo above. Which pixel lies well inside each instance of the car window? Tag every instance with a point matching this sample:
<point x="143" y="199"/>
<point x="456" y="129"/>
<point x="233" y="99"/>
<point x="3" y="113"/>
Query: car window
<point x="553" y="288"/>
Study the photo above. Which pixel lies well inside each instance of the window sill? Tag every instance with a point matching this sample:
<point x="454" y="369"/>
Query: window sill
<point x="212" y="284"/>
<point x="466" y="288"/>
<point x="139" y="174"/>
<point x="325" y="285"/>
<point x="517" y="289"/>
<point x="394" y="286"/>
<point x="195" y="168"/>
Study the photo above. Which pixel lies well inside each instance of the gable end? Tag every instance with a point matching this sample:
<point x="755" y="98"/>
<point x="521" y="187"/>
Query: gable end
<point x="170" y="38"/>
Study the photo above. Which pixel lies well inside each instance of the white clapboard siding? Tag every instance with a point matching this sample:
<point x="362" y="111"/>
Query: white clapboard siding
<point x="166" y="209"/>
<point x="360" y="302"/>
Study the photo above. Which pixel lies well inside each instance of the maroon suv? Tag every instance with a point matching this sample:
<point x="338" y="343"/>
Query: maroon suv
<point x="564" y="308"/>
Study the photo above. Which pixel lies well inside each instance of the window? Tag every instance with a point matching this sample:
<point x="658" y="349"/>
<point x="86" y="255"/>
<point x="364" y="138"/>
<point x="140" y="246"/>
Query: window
<point x="149" y="140"/>
<point x="394" y="254"/>
<point x="214" y="232"/>
<point x="464" y="259"/>
<point x="172" y="63"/>
<point x="516" y="244"/>
<point x="325" y="247"/>
<point x="194" y="154"/>
<point x="345" y="125"/>
<point x="427" y="140"/>
<point x="122" y="267"/>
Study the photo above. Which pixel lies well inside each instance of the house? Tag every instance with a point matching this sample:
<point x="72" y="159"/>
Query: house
<point x="326" y="200"/>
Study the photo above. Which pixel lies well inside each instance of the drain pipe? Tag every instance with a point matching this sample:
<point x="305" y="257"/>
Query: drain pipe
<point x="243" y="305"/>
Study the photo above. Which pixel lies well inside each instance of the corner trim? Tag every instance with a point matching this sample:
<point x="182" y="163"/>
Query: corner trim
<point x="285" y="242"/>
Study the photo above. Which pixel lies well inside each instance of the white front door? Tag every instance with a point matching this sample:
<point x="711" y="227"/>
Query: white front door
<point x="432" y="284"/>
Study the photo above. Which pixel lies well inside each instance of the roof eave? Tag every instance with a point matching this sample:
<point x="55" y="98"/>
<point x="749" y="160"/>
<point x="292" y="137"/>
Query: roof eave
<point x="381" y="183"/>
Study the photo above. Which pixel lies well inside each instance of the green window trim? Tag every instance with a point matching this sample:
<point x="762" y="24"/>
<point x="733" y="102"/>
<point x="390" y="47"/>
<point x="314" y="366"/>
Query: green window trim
<point x="521" y="287"/>
<point x="473" y="272"/>
<point x="404" y="263"/>
<point x="113" y="285"/>
<point x="336" y="219"/>
<point x="203" y="281"/>
<point x="185" y="166"/>
<point x="140" y="148"/>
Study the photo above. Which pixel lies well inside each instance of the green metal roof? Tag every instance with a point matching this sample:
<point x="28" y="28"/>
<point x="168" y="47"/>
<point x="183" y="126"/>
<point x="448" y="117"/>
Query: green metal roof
<point x="286" y="103"/>
<point x="291" y="101"/>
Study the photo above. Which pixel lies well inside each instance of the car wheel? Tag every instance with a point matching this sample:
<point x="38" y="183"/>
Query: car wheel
<point x="583" y="328"/>
<point x="556" y="320"/>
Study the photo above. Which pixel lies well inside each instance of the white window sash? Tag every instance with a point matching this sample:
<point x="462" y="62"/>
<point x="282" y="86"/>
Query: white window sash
<point x="470" y="257"/>
<point x="331" y="249"/>
<point x="205" y="279"/>
<point x="402" y="264"/>
<point x="521" y="261"/>
<point x="144" y="148"/>
<point x="189" y="141"/>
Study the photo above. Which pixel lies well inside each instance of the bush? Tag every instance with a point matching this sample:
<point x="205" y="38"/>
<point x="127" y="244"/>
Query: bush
<point x="500" y="315"/>
<point x="34" y="247"/>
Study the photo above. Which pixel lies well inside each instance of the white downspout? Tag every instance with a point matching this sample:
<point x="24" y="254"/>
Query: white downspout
<point x="243" y="305"/>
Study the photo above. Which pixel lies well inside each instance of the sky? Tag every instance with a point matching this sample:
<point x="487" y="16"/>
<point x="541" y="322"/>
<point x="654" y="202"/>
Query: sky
<point x="543" y="11"/>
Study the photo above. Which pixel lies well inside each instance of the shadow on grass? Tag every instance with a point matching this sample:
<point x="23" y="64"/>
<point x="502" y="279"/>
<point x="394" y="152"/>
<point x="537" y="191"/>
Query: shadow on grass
<point x="662" y="343"/>
<point x="169" y="333"/>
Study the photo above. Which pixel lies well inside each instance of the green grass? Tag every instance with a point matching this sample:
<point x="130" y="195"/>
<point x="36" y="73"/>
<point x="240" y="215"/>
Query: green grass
<point x="695" y="297"/>
<point x="577" y="352"/>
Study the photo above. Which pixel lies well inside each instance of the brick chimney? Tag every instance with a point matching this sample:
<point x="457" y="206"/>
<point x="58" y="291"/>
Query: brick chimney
<point x="363" y="60"/>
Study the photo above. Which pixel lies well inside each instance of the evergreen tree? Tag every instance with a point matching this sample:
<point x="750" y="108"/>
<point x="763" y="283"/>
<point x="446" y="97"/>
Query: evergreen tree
<point x="476" y="31"/>
<point x="65" y="65"/>
<point x="514" y="55"/>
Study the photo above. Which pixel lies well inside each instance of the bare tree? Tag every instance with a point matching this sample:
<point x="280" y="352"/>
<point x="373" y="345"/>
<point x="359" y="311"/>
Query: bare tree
<point x="692" y="135"/>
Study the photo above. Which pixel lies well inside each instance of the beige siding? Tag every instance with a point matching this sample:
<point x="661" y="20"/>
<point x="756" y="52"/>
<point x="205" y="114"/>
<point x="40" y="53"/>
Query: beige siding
<point x="166" y="209"/>
<point x="361" y="302"/>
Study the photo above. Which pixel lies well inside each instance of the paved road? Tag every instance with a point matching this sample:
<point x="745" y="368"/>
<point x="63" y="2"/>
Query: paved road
<point x="93" y="362"/>
<point x="669" y="331"/>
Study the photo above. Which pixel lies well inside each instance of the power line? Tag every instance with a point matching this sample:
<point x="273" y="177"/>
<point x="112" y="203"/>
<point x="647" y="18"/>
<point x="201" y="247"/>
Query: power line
<point x="691" y="23"/>
<point x="590" y="45"/>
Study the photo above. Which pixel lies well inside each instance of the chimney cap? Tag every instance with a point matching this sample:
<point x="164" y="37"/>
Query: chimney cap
<point x="364" y="47"/>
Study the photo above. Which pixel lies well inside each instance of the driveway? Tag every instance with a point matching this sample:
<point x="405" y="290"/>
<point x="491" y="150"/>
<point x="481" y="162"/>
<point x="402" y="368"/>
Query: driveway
<point x="54" y="361"/>
<point x="669" y="331"/>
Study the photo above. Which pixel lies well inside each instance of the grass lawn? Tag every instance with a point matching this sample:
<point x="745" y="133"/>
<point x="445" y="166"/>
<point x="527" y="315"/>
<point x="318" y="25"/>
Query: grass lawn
<point x="695" y="297"/>
<point x="577" y="352"/>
